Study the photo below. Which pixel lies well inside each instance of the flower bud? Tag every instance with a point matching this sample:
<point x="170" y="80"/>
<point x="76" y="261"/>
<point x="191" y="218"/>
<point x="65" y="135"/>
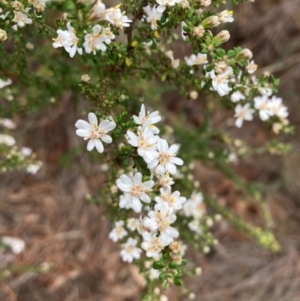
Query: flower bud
<point x="185" y="4"/>
<point x="3" y="35"/>
<point x="193" y="94"/>
<point x="205" y="2"/>
<point x="198" y="31"/>
<point x="223" y="36"/>
<point x="212" y="21"/>
<point x="16" y="5"/>
<point x="246" y="54"/>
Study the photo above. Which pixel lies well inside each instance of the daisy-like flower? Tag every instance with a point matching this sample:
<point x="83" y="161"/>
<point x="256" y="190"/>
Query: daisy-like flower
<point x="147" y="120"/>
<point x="243" y="113"/>
<point x="135" y="191"/>
<point x="277" y="108"/>
<point x="237" y="96"/>
<point x="194" y="225"/>
<point x="145" y="142"/>
<point x="262" y="104"/>
<point x="199" y="59"/>
<point x="130" y="251"/>
<point x="165" y="180"/>
<point x="153" y="245"/>
<point x="20" y="19"/>
<point x="68" y="40"/>
<point x="116" y="17"/>
<point x="152" y="15"/>
<point x="194" y="206"/>
<point x="95" y="41"/>
<point x="220" y="82"/>
<point x="132" y="223"/>
<point x="174" y="200"/>
<point x="160" y="220"/>
<point x="118" y="232"/>
<point x="165" y="158"/>
<point x="95" y="132"/>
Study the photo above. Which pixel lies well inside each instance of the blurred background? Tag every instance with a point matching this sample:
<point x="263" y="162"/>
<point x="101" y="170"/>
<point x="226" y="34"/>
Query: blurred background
<point x="68" y="255"/>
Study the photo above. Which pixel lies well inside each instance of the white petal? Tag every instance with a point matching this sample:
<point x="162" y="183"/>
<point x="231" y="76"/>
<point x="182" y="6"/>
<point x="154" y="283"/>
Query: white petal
<point x="137" y="179"/>
<point x="90" y="145"/>
<point x="107" y="125"/>
<point x="176" y="160"/>
<point x="83" y="133"/>
<point x="145" y="198"/>
<point x="106" y="139"/>
<point x="92" y="118"/>
<point x="173" y="149"/>
<point x="99" y="146"/>
<point x="171" y="168"/>
<point x="136" y="205"/>
<point x="82" y="124"/>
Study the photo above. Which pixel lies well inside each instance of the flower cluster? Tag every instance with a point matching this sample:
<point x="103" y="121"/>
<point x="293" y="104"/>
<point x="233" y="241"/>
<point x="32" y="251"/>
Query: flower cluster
<point x="97" y="37"/>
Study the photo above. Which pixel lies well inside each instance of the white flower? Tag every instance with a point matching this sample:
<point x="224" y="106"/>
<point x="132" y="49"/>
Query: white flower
<point x="154" y="274"/>
<point x="165" y="158"/>
<point x="95" y="41"/>
<point x="226" y="16"/>
<point x="251" y="67"/>
<point x="147" y="120"/>
<point x="199" y="59"/>
<point x="277" y="108"/>
<point x="146" y="143"/>
<point x="135" y="191"/>
<point x="194" y="206"/>
<point x="118" y="232"/>
<point x="4" y="83"/>
<point x="160" y="220"/>
<point x="265" y="91"/>
<point x="243" y="113"/>
<point x="116" y="17"/>
<point x="152" y="15"/>
<point x="8" y="123"/>
<point x="194" y="225"/>
<point x="68" y="40"/>
<point x="21" y="19"/>
<point x="237" y="96"/>
<point x="262" y="104"/>
<point x="132" y="224"/>
<point x="33" y="168"/>
<point x="26" y="151"/>
<point x="7" y="140"/>
<point x="17" y="245"/>
<point x="165" y="180"/>
<point x="174" y="200"/>
<point x="164" y="3"/>
<point x="220" y="82"/>
<point x="130" y="251"/>
<point x="95" y="132"/>
<point x="153" y="245"/>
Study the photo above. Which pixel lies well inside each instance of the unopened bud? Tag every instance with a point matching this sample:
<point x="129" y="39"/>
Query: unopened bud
<point x="3" y="35"/>
<point x="198" y="271"/>
<point x="247" y="54"/>
<point x="194" y="94"/>
<point x="16" y="5"/>
<point x="185" y="4"/>
<point x="198" y="31"/>
<point x="205" y="2"/>
<point x="85" y="78"/>
<point x="223" y="36"/>
<point x="212" y="21"/>
<point x="192" y="296"/>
